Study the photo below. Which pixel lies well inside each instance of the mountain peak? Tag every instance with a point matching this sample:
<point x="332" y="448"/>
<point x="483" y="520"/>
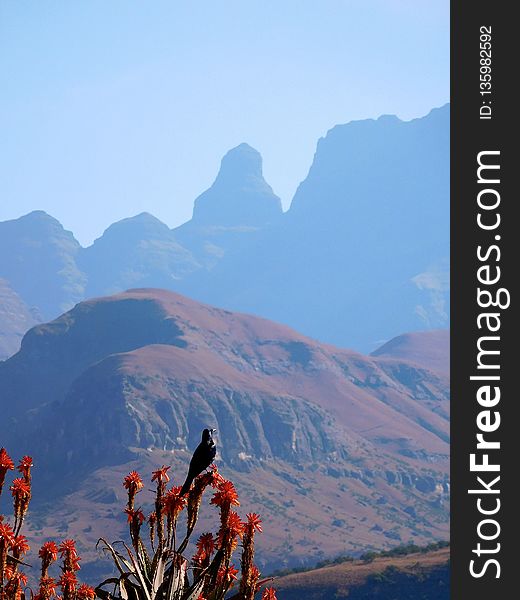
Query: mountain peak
<point x="36" y="222"/>
<point x="241" y="161"/>
<point x="138" y="227"/>
<point x="239" y="195"/>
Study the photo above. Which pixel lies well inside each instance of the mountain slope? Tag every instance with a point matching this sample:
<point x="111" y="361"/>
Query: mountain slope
<point x="314" y="436"/>
<point x="430" y="349"/>
<point x="38" y="259"/>
<point x="407" y="578"/>
<point x="138" y="251"/>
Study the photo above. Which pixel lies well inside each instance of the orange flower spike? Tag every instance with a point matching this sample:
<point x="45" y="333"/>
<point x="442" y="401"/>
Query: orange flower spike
<point x="85" y="592"/>
<point x="161" y="475"/>
<point x="227" y="574"/>
<point x="133" y="483"/>
<point x="25" y="468"/>
<point x="6" y="539"/>
<point x="21" y="491"/>
<point x="235" y="525"/>
<point x="20" y="488"/>
<point x="206" y="544"/>
<point x="48" y="554"/>
<point x="254" y="522"/>
<point x="226" y="495"/>
<point x="19" y="546"/>
<point x="68" y="548"/>
<point x="173" y="503"/>
<point x="47" y="588"/>
<point x="269" y="594"/>
<point x="67" y="582"/>
<point x="133" y="479"/>
<point x="6" y="534"/>
<point x="135" y="514"/>
<point x="255" y="576"/>
<point x="217" y="478"/>
<point x="16" y="581"/>
<point x="6" y="464"/>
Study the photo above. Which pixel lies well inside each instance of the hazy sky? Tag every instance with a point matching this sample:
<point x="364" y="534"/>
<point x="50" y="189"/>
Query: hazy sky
<point x="109" y="108"/>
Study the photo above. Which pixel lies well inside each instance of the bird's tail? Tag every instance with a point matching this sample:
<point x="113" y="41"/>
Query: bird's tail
<point x="186" y="486"/>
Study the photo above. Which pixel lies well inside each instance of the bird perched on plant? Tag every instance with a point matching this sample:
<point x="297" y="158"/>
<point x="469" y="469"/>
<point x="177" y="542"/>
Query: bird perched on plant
<point x="202" y="458"/>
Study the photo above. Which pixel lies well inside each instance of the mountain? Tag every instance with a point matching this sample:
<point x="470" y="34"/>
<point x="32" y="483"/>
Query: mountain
<point x="138" y="251"/>
<point x="315" y="437"/>
<point x="38" y="259"/>
<point x="361" y="256"/>
<point x="430" y="349"/>
<point x="362" y="253"/>
<point x="239" y="195"/>
<point x="238" y="205"/>
<point x="15" y="319"/>
<point x="419" y="575"/>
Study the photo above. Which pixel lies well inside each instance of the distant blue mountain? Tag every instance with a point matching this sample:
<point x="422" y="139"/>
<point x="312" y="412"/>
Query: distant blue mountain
<point x="361" y="256"/>
<point x="363" y="253"/>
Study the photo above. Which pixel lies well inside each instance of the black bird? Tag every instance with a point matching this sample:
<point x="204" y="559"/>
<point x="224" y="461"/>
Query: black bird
<point x="202" y="458"/>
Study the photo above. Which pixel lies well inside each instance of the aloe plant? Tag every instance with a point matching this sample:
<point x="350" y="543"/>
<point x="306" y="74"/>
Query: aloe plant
<point x="158" y="570"/>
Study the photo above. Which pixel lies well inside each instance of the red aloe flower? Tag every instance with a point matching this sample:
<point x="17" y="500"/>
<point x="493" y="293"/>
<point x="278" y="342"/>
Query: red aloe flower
<point x="226" y="495"/>
<point x="6" y="464"/>
<point x="68" y="548"/>
<point x="16" y="582"/>
<point x="133" y="483"/>
<point x="67" y="582"/>
<point x="269" y="594"/>
<point x="161" y="475"/>
<point x="20" y="488"/>
<point x="6" y="539"/>
<point x="206" y="544"/>
<point x="235" y="525"/>
<point x="173" y="503"/>
<point x="133" y="479"/>
<point x="85" y="592"/>
<point x="47" y="589"/>
<point x="25" y="467"/>
<point x="217" y="477"/>
<point x="255" y="576"/>
<point x="71" y="560"/>
<point x="135" y="515"/>
<point x="254" y="522"/>
<point x="19" y="546"/>
<point x="205" y="548"/>
<point x="48" y="552"/>
<point x="227" y="575"/>
<point x="6" y="534"/>
<point x="21" y="491"/>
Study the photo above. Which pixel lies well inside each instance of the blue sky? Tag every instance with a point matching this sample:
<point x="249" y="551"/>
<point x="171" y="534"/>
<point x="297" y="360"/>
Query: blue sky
<point x="112" y="107"/>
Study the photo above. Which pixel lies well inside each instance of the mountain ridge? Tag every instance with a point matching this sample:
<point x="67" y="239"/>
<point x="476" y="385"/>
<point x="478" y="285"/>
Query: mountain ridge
<point x="360" y="256"/>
